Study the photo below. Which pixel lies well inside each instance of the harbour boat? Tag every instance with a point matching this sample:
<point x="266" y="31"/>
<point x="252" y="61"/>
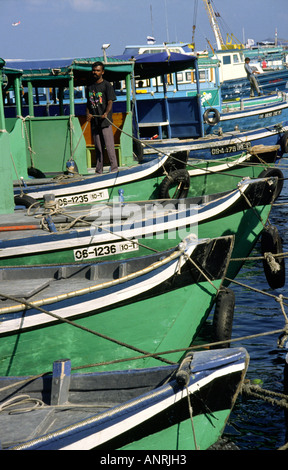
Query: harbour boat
<point x="104" y="312"/>
<point x="231" y="55"/>
<point x="249" y="113"/>
<point x="146" y="181"/>
<point x="226" y="145"/>
<point x="169" y="112"/>
<point x="128" y="410"/>
<point x="239" y="88"/>
<point x="48" y="235"/>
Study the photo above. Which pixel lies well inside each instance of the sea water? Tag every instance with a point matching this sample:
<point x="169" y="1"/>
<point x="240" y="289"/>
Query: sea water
<point x="256" y="424"/>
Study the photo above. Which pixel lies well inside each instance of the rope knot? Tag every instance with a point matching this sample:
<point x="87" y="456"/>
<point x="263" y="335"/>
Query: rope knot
<point x="274" y="266"/>
<point x="284" y="336"/>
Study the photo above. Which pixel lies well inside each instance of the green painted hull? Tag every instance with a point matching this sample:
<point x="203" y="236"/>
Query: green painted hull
<point x="208" y="429"/>
<point x="162" y="323"/>
<point x="246" y="225"/>
<point x="206" y="177"/>
<point x="223" y="181"/>
<point x="208" y="183"/>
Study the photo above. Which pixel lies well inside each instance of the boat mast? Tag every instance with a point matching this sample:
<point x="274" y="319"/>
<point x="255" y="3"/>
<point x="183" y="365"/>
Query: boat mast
<point x="214" y="24"/>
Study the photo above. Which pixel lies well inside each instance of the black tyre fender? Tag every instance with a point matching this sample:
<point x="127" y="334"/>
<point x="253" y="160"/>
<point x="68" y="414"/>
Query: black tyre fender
<point x="137" y="151"/>
<point x="176" y="161"/>
<point x="211" y="116"/>
<point x="271" y="243"/>
<point x="35" y="173"/>
<point x="274" y="172"/>
<point x="284" y="142"/>
<point x="24" y="200"/>
<point x="179" y="179"/>
<point x="223" y="316"/>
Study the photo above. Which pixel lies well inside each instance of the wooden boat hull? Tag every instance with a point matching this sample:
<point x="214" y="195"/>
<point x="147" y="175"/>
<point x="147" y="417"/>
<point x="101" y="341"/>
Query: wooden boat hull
<point x="141" y="414"/>
<point x="113" y="319"/>
<point x="212" y="148"/>
<point x="143" y="182"/>
<point x="268" y="81"/>
<point x="251" y="117"/>
<point x="148" y="226"/>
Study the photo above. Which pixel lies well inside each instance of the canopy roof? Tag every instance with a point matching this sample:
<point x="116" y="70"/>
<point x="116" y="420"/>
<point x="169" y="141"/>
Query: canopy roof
<point x="161" y="63"/>
<point x="9" y="70"/>
<point x="51" y="71"/>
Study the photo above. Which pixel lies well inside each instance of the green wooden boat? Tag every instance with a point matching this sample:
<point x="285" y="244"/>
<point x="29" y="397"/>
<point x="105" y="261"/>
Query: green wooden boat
<point x="118" y="231"/>
<point x="142" y="409"/>
<point x="111" y="311"/>
<point x="167" y="176"/>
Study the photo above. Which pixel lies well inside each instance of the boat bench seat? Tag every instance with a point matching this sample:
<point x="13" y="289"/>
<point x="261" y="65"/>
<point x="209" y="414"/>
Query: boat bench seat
<point x="23" y="288"/>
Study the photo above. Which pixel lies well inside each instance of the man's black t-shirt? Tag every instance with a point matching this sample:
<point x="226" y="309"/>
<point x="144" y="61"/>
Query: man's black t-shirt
<point x="98" y="95"/>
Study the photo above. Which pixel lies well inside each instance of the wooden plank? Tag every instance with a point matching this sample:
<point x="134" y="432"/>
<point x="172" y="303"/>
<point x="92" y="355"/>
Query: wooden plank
<point x="23" y="287"/>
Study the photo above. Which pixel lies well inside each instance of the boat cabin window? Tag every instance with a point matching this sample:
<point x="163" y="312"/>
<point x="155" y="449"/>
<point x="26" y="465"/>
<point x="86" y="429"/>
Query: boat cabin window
<point x="226" y="60"/>
<point x="236" y="59"/>
<point x="141" y="83"/>
<point x="169" y="79"/>
<point x="184" y="77"/>
<point x="203" y="76"/>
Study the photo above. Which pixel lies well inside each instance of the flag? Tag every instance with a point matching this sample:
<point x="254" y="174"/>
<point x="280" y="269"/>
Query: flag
<point x="150" y="40"/>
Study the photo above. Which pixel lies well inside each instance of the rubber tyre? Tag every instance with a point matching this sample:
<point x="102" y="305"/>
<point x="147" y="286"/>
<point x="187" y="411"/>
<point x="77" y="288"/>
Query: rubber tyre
<point x="274" y="172"/>
<point x="223" y="316"/>
<point x="34" y="173"/>
<point x="211" y="120"/>
<point x="24" y="200"/>
<point x="178" y="180"/>
<point x="271" y="243"/>
<point x="284" y="142"/>
<point x="177" y="161"/>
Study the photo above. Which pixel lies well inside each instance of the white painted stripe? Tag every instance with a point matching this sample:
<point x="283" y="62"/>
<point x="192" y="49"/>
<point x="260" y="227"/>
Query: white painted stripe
<point x="105" y="435"/>
<point x="130" y="233"/>
<point x="107" y="299"/>
<point x="103" y="183"/>
<point x="219" y="167"/>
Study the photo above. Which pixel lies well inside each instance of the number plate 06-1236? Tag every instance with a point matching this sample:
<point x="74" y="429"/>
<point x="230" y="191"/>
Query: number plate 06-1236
<point x="104" y="250"/>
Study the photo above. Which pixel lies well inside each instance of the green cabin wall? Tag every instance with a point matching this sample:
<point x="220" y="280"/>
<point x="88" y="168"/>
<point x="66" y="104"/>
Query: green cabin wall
<point x="19" y="157"/>
<point x="6" y="180"/>
<point x="47" y="143"/>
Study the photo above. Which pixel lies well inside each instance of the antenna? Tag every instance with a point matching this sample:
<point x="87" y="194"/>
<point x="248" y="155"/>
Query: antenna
<point x="152" y="26"/>
<point x="167" y="31"/>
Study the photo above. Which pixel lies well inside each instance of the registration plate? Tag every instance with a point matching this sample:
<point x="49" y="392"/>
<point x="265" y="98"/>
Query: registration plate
<point x="84" y="198"/>
<point x="229" y="148"/>
<point x="105" y="250"/>
<point x="270" y="114"/>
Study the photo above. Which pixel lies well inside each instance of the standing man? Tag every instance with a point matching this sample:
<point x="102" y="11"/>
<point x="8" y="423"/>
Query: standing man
<point x="100" y="96"/>
<point x="252" y="79"/>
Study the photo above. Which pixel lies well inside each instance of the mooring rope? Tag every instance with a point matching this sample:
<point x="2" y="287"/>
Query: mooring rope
<point x="88" y="330"/>
<point x="52" y="208"/>
<point x="267" y="395"/>
<point x="31" y="151"/>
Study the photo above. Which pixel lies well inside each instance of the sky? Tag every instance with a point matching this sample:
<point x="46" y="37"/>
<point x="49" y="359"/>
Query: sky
<point x="78" y="28"/>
